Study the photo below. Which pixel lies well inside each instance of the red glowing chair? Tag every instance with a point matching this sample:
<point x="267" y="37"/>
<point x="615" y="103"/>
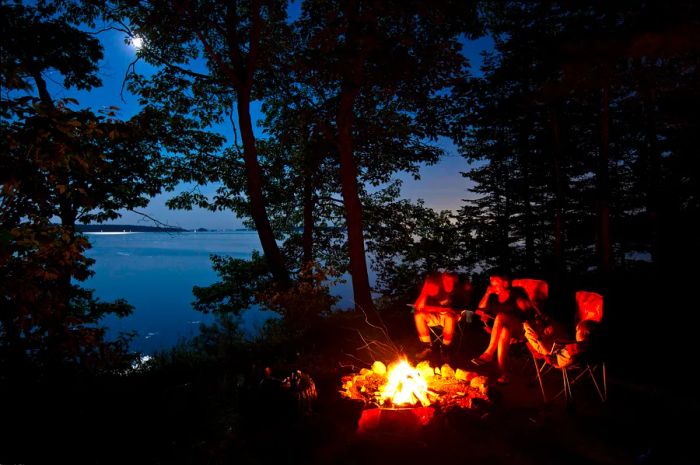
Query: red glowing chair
<point x="463" y="317"/>
<point x="589" y="306"/>
<point x="537" y="291"/>
<point x="462" y="314"/>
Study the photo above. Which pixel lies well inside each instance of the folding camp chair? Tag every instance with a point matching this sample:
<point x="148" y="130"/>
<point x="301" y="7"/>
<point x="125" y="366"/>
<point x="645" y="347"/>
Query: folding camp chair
<point x="537" y="292"/>
<point x="464" y="317"/>
<point x="589" y="306"/>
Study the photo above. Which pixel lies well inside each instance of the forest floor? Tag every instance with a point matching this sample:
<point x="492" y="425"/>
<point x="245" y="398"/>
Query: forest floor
<point x="217" y="413"/>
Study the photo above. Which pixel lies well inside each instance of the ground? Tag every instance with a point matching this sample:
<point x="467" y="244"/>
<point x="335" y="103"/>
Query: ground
<point x="640" y="423"/>
<point x="223" y="412"/>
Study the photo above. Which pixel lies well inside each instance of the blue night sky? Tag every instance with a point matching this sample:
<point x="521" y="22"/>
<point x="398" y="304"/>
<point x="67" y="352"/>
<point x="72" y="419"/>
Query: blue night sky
<point x="441" y="186"/>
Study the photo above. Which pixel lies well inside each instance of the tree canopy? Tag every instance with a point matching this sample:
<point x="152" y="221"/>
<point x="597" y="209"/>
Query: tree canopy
<point x="577" y="134"/>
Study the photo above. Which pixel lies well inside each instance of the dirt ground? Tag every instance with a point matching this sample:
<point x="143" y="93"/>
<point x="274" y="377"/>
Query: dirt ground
<point x="215" y="414"/>
<point x="638" y="424"/>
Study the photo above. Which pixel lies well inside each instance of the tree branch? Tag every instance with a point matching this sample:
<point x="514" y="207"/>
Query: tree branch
<point x="235" y="133"/>
<point x="255" y="31"/>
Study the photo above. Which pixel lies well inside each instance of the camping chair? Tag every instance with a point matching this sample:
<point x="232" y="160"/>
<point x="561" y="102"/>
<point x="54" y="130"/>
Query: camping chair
<point x="461" y="298"/>
<point x="589" y="306"/>
<point x="464" y="317"/>
<point x="537" y="292"/>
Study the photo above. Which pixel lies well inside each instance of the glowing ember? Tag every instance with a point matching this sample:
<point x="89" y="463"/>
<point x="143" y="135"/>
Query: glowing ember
<point x="406" y="385"/>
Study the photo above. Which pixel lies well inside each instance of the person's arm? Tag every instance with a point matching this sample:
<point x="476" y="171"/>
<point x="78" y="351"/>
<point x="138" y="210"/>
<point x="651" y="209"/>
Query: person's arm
<point x="534" y="339"/>
<point x="430" y="288"/>
<point x="483" y="303"/>
<point x="523" y="304"/>
<point x="419" y="304"/>
<point x="483" y="307"/>
<point x="564" y="356"/>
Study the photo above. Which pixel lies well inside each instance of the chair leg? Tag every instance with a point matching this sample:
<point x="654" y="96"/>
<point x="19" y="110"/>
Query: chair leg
<point x="568" y="382"/>
<point x="460" y="334"/>
<point x="602" y="393"/>
<point x="539" y="378"/>
<point x="566" y="390"/>
<point x="437" y="334"/>
<point x="605" y="382"/>
<point x="565" y="383"/>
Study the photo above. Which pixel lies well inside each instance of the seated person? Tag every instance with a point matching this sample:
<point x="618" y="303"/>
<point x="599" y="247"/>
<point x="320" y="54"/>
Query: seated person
<point x="509" y="307"/>
<point x="439" y="303"/>
<point x="563" y="355"/>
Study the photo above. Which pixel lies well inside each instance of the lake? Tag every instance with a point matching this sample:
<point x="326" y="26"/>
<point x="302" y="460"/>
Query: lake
<point x="155" y="272"/>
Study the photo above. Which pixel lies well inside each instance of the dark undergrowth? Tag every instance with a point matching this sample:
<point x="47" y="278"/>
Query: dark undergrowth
<point x="220" y="399"/>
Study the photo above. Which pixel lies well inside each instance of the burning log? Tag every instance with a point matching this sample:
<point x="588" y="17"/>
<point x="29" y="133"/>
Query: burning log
<point x="401" y="386"/>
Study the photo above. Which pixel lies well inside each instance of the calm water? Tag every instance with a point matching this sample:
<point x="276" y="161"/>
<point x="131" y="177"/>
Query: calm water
<point x="155" y="273"/>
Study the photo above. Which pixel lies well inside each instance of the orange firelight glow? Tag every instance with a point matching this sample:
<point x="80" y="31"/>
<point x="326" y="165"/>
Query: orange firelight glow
<point x="406" y="385"/>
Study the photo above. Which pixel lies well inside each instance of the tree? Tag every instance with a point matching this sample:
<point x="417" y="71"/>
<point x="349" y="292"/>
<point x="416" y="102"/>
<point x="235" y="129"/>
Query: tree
<point x="371" y="58"/>
<point x="566" y="108"/>
<point x="212" y="55"/>
<point x="57" y="163"/>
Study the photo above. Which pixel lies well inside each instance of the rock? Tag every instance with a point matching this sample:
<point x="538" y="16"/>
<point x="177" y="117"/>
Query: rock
<point x="447" y="371"/>
<point x="379" y="368"/>
<point x="480" y="383"/>
<point x="425" y="369"/>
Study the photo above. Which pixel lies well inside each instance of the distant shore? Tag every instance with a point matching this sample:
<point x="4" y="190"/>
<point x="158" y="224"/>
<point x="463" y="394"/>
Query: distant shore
<point x="132" y="228"/>
<point x="124" y="228"/>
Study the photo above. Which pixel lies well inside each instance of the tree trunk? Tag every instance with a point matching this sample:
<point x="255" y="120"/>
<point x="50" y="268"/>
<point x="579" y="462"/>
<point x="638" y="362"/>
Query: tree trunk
<point x="254" y="183"/>
<point x="558" y="197"/>
<point x="650" y="174"/>
<point x="42" y="89"/>
<point x="353" y="207"/>
<point x="604" y="244"/>
<point x="503" y="188"/>
<point x="307" y="237"/>
<point x="527" y="203"/>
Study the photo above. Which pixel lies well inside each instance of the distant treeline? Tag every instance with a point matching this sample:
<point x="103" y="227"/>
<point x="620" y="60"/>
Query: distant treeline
<point x="126" y="227"/>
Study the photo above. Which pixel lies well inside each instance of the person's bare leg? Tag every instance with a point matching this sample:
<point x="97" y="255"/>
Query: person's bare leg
<point x="503" y="348"/>
<point x="448" y="331"/>
<point x="487" y="355"/>
<point x="420" y="318"/>
<point x="493" y="341"/>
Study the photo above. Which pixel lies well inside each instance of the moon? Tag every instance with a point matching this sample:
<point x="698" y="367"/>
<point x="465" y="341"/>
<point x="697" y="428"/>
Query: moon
<point x="137" y="42"/>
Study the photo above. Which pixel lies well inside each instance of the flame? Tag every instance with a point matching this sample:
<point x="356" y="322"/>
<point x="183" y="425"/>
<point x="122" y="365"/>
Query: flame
<point x="406" y="385"/>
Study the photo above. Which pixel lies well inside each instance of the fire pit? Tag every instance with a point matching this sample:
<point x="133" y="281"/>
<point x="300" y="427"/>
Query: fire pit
<point x="402" y="397"/>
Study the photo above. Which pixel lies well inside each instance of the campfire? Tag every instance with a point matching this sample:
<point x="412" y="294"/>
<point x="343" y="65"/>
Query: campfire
<point x="405" y="385"/>
<point x="401" y="385"/>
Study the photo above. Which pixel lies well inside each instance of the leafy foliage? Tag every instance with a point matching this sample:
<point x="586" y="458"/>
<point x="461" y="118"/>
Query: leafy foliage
<point x="572" y="138"/>
<point x="67" y="165"/>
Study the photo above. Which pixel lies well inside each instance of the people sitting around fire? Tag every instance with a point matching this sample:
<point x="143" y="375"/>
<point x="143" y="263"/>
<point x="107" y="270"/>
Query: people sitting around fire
<point x="563" y="355"/>
<point x="509" y="307"/>
<point x="441" y="299"/>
